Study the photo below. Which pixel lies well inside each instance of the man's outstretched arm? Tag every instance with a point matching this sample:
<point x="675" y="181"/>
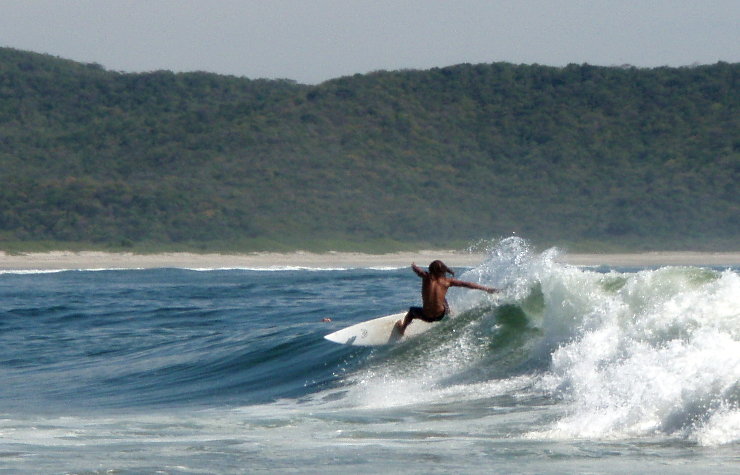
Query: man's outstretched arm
<point x="472" y="285"/>
<point x="419" y="271"/>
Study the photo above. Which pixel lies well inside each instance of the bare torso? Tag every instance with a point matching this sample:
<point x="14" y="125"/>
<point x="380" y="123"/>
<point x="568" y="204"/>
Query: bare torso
<point x="433" y="294"/>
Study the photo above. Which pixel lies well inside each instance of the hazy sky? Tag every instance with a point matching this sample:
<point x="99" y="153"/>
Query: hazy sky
<point x="315" y="40"/>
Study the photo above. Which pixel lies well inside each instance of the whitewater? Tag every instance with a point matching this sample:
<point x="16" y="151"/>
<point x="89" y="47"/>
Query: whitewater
<point x="568" y="370"/>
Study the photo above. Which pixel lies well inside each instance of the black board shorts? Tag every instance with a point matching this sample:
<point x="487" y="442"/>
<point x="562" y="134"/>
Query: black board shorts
<point x="418" y="312"/>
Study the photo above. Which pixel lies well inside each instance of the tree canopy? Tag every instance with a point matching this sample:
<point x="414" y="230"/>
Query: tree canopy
<point x="637" y="158"/>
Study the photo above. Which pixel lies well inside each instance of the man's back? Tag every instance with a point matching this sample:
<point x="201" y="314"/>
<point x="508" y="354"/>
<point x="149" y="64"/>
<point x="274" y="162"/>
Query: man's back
<point x="433" y="294"/>
<point x="434" y="286"/>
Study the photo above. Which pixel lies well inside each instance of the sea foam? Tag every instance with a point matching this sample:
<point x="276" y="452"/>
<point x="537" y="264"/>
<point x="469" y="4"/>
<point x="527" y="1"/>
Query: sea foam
<point x="653" y="352"/>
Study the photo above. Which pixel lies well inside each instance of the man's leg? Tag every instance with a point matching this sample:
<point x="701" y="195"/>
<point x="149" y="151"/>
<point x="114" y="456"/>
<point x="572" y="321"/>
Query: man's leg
<point x="406" y="320"/>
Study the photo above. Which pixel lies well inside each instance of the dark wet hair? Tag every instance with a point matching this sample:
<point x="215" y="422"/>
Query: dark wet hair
<point x="439" y="268"/>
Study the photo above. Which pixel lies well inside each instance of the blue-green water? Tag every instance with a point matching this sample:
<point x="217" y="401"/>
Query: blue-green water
<point x="569" y="370"/>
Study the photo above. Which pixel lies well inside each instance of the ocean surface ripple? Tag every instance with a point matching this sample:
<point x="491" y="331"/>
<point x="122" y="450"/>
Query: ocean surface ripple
<point x="216" y="370"/>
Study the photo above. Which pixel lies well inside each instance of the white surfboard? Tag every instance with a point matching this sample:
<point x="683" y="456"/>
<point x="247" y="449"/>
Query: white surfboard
<point x="379" y="331"/>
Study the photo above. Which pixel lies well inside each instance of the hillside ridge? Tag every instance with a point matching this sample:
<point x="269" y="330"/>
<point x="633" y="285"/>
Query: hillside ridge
<point x="627" y="157"/>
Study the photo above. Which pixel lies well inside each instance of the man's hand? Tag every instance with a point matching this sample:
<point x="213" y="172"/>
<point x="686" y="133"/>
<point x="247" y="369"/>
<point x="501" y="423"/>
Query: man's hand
<point x="420" y="272"/>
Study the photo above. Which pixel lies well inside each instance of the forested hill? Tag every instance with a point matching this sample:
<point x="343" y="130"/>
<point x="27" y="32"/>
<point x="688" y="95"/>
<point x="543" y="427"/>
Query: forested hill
<point x="640" y="158"/>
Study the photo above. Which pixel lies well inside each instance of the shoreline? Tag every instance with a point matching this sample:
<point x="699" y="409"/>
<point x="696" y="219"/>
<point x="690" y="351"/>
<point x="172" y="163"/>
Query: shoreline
<point x="68" y="260"/>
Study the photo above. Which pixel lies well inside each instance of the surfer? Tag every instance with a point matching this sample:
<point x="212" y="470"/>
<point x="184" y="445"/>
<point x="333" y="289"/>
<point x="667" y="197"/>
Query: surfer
<point x="434" y="286"/>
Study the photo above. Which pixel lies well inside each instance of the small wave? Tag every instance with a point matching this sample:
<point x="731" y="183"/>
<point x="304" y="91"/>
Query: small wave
<point x="57" y="271"/>
<point x="32" y="271"/>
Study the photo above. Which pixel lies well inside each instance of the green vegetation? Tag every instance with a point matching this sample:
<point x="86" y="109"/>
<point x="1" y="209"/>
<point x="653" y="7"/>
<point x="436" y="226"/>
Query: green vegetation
<point x="583" y="156"/>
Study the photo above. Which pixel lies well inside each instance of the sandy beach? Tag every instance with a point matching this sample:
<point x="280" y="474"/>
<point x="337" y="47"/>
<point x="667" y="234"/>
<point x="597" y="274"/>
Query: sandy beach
<point x="101" y="260"/>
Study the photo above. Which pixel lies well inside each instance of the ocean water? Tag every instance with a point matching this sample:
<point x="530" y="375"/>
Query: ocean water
<point x="568" y="370"/>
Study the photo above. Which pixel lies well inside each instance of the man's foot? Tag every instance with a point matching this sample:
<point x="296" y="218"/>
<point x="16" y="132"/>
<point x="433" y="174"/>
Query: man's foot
<point x="399" y="326"/>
